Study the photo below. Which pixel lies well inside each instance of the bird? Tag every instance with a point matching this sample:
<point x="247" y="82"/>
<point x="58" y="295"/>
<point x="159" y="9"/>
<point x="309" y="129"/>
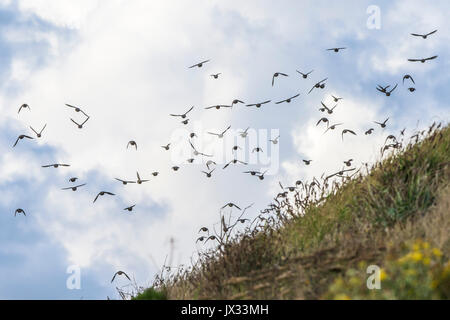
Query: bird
<point x="322" y="120"/>
<point x="120" y="273"/>
<point x="333" y="126"/>
<point x="200" y="64"/>
<point x="325" y="108"/>
<point x="236" y="101"/>
<point x="22" y="136"/>
<point x="19" y="210"/>
<point x="74" y="188"/>
<point x="56" y="165"/>
<point x="183" y="115"/>
<point x="192" y="135"/>
<point x="390" y="137"/>
<point x="319" y="84"/>
<point x="102" y="193"/>
<point x="210" y="163"/>
<point x="211" y="238"/>
<point x="382" y="124"/>
<point x="125" y="182"/>
<point x="234" y="161"/>
<point x="208" y="174"/>
<point x="424" y="36"/>
<point x="202" y="238"/>
<point x="230" y="204"/>
<point x="261" y="175"/>
<point x="130" y="208"/>
<point x="203" y="229"/>
<point x="348" y="163"/>
<point x="220" y="135"/>
<point x="185" y="121"/>
<point x="411" y="89"/>
<point x="369" y="131"/>
<point x="235" y="148"/>
<point x="73" y="179"/>
<point x="218" y="106"/>
<point x="339" y="173"/>
<point x="258" y="105"/>
<point x="276" y="74"/>
<point x="288" y="100"/>
<point x="190" y="160"/>
<point x="253" y="173"/>
<point x="38" y="134"/>
<point x="423" y="59"/>
<point x="244" y="133"/>
<point x="175" y="168"/>
<point x="215" y="76"/>
<point x="257" y="149"/>
<point x="304" y="75"/>
<point x="196" y="152"/>
<point x="382" y="89"/>
<point x="166" y="147"/>
<point x="24" y="106"/>
<point x="155" y="173"/>
<point x="242" y="220"/>
<point x="132" y="143"/>
<point x="388" y="93"/>
<point x="80" y="126"/>
<point x="336" y="99"/>
<point x="407" y="76"/>
<point x="77" y="109"/>
<point x="307" y="162"/>
<point x="347" y="131"/>
<point x="139" y="181"/>
<point x="336" y="49"/>
<point x="274" y="141"/>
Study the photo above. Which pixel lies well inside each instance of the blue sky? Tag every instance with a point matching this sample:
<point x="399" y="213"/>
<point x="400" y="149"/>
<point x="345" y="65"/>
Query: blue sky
<point x="126" y="65"/>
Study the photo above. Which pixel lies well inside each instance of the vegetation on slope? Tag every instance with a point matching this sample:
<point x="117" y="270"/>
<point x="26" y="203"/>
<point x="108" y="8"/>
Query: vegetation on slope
<point x="316" y="241"/>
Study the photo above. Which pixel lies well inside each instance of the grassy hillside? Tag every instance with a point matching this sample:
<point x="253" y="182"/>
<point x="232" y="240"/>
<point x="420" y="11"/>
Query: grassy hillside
<point x="316" y="241"/>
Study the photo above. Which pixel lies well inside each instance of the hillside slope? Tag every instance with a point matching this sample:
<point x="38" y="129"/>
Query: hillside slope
<point x="316" y="242"/>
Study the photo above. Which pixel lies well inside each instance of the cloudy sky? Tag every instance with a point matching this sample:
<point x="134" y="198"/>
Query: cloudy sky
<point x="126" y="64"/>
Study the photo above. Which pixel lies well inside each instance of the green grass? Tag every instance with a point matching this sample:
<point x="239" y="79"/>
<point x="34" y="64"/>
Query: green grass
<point x="151" y="294"/>
<point x="367" y="218"/>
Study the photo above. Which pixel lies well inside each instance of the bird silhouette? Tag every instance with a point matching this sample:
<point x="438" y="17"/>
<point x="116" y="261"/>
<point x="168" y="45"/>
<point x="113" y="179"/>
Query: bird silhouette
<point x="336" y="99"/>
<point x="336" y="49"/>
<point x="24" y="106"/>
<point x="304" y="75"/>
<point x="230" y="205"/>
<point x="423" y="59"/>
<point x="125" y="182"/>
<point x="276" y="74"/>
<point x="257" y="149"/>
<point x="411" y="89"/>
<point x="74" y="188"/>
<point x="234" y="161"/>
<point x="175" y="168"/>
<point x="216" y="75"/>
<point x="244" y="133"/>
<point x="319" y="84"/>
<point x="139" y="181"/>
<point x="236" y="101"/>
<point x="258" y="105"/>
<point x="382" y="124"/>
<point x="274" y="141"/>
<point x="132" y="143"/>
<point x="80" y="126"/>
<point x="102" y="193"/>
<point x="166" y="147"/>
<point x="196" y="152"/>
<point x="120" y="273"/>
<point x="203" y="229"/>
<point x="201" y="239"/>
<point x="220" y="135"/>
<point x="307" y="162"/>
<point x="333" y="126"/>
<point x="200" y="64"/>
<point x="77" y="109"/>
<point x="19" y="210"/>
<point x="210" y="163"/>
<point x="347" y="131"/>
<point x="73" y="179"/>
<point x="407" y="76"/>
<point x="424" y="36"/>
<point x="208" y="174"/>
<point x="183" y="115"/>
<point x="218" y="106"/>
<point x="323" y="120"/>
<point x="56" y="165"/>
<point x="348" y="163"/>
<point x="38" y="134"/>
<point x="369" y="131"/>
<point x="325" y="108"/>
<point x="288" y="100"/>
<point x="22" y="136"/>
<point x="130" y="208"/>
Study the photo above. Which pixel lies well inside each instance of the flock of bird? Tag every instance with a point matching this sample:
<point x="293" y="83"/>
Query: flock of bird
<point x="387" y="90"/>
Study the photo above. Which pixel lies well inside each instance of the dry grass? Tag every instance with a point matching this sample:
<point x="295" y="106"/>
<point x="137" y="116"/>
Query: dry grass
<point x="308" y="237"/>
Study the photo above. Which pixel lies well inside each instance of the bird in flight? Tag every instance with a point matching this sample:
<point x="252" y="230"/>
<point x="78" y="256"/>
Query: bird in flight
<point x="132" y="143"/>
<point x="423" y="59"/>
<point x="322" y="120"/>
<point x="196" y="152"/>
<point x="236" y="101"/>
<point x="385" y="91"/>
<point x="333" y="126"/>
<point x="234" y="161"/>
<point x="307" y="162"/>
<point x="220" y="135"/>
<point x="130" y="208"/>
<point x="56" y="165"/>
<point x="339" y="173"/>
<point x="166" y="147"/>
<point x="73" y="179"/>
<point x="38" y="134"/>
<point x="348" y="163"/>
<point x="24" y="106"/>
<point x="336" y="49"/>
<point x="257" y="149"/>
<point x="139" y="181"/>
<point x="407" y="76"/>
<point x="253" y="173"/>
<point x="288" y="100"/>
<point x="19" y="210"/>
<point x="125" y="182"/>
<point x="230" y="204"/>
<point x="336" y="99"/>
<point x="185" y="121"/>
<point x="325" y="108"/>
<point x="77" y="109"/>
<point x="80" y="126"/>
<point x="411" y="89"/>
<point x="200" y="64"/>
<point x="244" y="133"/>
<point x="382" y="124"/>
<point x="276" y="74"/>
<point x="74" y="188"/>
<point x="22" y="136"/>
<point x="424" y="36"/>
<point x="369" y="131"/>
<point x="203" y="229"/>
<point x="102" y="193"/>
<point x="258" y="105"/>
<point x="319" y="84"/>
<point x="175" y="168"/>
<point x="201" y="239"/>
<point x="347" y="131"/>
<point x="218" y="106"/>
<point x="261" y="175"/>
<point x="216" y="75"/>
<point x="304" y="75"/>
<point x="274" y="141"/>
<point x="120" y="273"/>
<point x="183" y="115"/>
<point x="208" y="174"/>
<point x="382" y="89"/>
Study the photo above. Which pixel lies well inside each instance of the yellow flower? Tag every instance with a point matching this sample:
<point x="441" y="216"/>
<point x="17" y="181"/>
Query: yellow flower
<point x="416" y="256"/>
<point x="436" y="252"/>
<point x="383" y="275"/>
<point x="342" y="296"/>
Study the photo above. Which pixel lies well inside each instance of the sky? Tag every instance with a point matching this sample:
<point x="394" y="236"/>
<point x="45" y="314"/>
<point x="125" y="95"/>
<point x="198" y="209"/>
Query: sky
<point x="125" y="63"/>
